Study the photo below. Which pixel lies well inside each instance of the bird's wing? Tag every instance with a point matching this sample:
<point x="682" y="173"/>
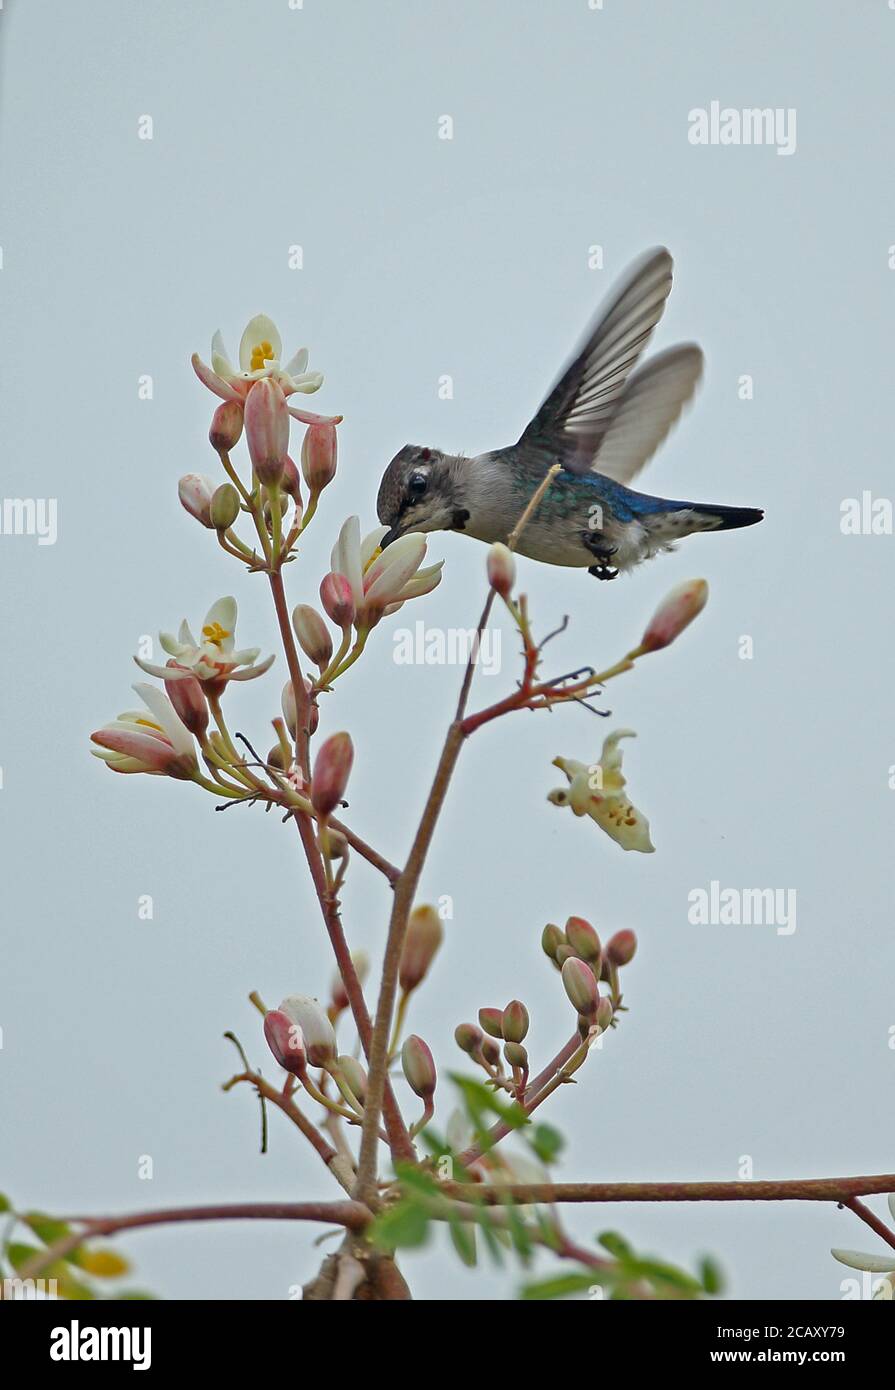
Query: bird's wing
<point x="575" y="417"/>
<point x="650" y="406"/>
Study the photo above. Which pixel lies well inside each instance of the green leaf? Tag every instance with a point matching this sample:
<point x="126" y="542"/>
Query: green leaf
<point x="5" y="1203"/>
<point x="561" y="1285"/>
<point x="19" y="1254"/>
<point x="546" y="1141"/>
<point x="404" y="1226"/>
<point x="482" y="1100"/>
<point x="615" y="1244"/>
<point x="463" y="1238"/>
<point x="46" y="1228"/>
<point x="711" y="1275"/>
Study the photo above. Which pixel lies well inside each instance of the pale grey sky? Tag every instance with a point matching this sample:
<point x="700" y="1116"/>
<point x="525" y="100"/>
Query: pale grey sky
<point x="275" y="126"/>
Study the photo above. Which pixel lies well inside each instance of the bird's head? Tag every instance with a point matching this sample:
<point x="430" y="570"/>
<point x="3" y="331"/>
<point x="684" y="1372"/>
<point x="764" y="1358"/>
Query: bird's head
<point x="418" y="492"/>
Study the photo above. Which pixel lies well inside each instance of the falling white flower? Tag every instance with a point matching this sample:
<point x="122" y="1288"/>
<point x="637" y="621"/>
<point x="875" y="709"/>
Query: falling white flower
<point x="873" y="1264"/>
<point x="597" y="790"/>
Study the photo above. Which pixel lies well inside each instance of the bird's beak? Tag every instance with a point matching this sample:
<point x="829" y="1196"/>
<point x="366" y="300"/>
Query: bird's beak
<point x="390" y="536"/>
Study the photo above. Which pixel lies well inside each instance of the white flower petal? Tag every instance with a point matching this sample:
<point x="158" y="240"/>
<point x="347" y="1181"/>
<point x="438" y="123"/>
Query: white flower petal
<point x="345" y="558"/>
<point x="857" y="1259"/>
<point x="258" y="330"/>
<point x="296" y="365"/>
<point x="165" y="714"/>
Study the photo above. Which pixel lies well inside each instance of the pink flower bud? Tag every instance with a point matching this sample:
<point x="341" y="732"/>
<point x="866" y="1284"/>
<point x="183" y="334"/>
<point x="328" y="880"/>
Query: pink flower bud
<point x="419" y="1067"/>
<point x="337" y="600"/>
<point x="195" y="493"/>
<point x="604" y="1012"/>
<point x="318" y="456"/>
<point x="267" y="430"/>
<point x="332" y="767"/>
<point x="563" y="953"/>
<point x="361" y="962"/>
<point x="290" y="713"/>
<point x="313" y="634"/>
<point x="515" y="1022"/>
<point x="583" y="939"/>
<point x="226" y="426"/>
<point x="490" y="1051"/>
<point x="621" y="947"/>
<point x="551" y="940"/>
<point x="468" y="1038"/>
<point x="424" y="936"/>
<point x="290" y="481"/>
<point x="491" y="1021"/>
<point x="516" y="1055"/>
<point x="286" y="1042"/>
<point x="501" y="569"/>
<point x="188" y="698"/>
<point x="313" y="1025"/>
<point x="676" y="611"/>
<point x="580" y="985"/>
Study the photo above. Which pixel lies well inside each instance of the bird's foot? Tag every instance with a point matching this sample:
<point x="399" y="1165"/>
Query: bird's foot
<point x="602" y="554"/>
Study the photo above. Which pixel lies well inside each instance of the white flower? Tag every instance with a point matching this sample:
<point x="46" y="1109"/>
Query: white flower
<point x="260" y="352"/>
<point x="381" y="580"/>
<point x="158" y="743"/>
<point x="214" y="658"/>
<point x="598" y="791"/>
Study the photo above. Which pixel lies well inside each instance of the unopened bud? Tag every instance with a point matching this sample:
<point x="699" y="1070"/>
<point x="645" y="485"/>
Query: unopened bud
<point x="195" y="493"/>
<point x="468" y="1038"/>
<point x="425" y="934"/>
<point x="501" y="569"/>
<point x="337" y="599"/>
<point x="583" y="939"/>
<point x="332" y="768"/>
<point x="552" y="937"/>
<point x="226" y="426"/>
<point x="490" y="1051"/>
<point x="419" y="1067"/>
<point x="290" y="481"/>
<point x="516" y="1055"/>
<point x="267" y="430"/>
<point x="290" y="713"/>
<point x="286" y="1041"/>
<point x="621" y="947"/>
<point x="604" y="1012"/>
<point x="580" y="985"/>
<point x="315" y="1027"/>
<point x="515" y="1021"/>
<point x="313" y="634"/>
<point x="676" y="611"/>
<point x="188" y="698"/>
<point x="278" y="759"/>
<point x="564" y="952"/>
<point x="491" y="1021"/>
<point x="361" y="962"/>
<point x="224" y="507"/>
<point x="318" y="456"/>
<point x="354" y="1076"/>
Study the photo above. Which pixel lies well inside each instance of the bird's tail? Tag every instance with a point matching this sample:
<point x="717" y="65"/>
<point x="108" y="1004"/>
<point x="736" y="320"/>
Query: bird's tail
<point x="727" y="518"/>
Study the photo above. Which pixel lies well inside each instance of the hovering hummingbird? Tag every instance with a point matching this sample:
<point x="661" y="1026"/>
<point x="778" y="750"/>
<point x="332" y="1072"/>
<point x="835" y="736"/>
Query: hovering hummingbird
<point x="602" y="421"/>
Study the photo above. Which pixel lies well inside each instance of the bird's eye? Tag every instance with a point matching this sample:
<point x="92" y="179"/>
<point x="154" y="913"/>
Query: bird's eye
<point x="417" y="484"/>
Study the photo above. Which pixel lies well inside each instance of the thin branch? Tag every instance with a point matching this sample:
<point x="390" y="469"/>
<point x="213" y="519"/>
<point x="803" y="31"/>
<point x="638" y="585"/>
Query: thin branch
<point x="871" y="1219"/>
<point x="352" y="1215"/>
<point x="842" y="1190"/>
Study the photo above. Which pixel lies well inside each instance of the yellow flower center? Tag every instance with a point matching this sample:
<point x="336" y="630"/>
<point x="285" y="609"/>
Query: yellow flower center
<point x="215" y="634"/>
<point x="261" y="353"/>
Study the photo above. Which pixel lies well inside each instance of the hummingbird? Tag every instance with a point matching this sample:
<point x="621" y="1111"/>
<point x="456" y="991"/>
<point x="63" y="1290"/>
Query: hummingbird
<point x="602" y="421"/>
